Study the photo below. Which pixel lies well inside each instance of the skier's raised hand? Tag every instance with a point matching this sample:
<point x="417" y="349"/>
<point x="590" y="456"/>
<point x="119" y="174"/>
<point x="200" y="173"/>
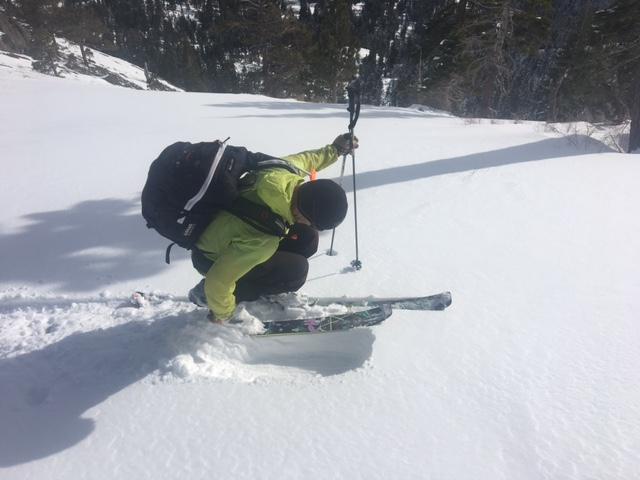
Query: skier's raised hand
<point x="343" y="144"/>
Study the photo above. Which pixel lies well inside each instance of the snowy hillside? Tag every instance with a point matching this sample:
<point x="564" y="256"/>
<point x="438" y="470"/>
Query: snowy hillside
<point x="532" y="373"/>
<point x="101" y="68"/>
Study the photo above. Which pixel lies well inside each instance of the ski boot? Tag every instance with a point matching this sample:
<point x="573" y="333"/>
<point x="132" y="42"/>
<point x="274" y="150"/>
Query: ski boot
<point x="197" y="295"/>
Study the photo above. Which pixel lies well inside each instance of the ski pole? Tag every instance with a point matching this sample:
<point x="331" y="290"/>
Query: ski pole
<point x="331" y="252"/>
<point x="357" y="264"/>
<point x="353" y="90"/>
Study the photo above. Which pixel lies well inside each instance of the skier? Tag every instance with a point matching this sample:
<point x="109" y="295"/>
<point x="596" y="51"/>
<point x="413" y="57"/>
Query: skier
<point x="240" y="263"/>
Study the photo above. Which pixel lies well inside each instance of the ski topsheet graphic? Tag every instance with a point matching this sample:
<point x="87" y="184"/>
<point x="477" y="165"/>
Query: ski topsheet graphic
<point x="328" y="323"/>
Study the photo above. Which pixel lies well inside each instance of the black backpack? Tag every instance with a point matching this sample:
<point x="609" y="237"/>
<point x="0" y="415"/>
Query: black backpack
<point x="189" y="183"/>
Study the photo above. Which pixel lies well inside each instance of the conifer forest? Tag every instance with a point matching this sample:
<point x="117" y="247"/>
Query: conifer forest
<point x="549" y="60"/>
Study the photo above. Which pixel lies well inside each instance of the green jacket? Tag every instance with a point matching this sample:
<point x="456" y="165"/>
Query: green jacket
<point x="236" y="247"/>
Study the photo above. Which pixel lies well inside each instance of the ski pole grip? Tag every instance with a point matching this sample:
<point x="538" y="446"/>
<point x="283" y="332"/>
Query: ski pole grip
<point x="353" y="91"/>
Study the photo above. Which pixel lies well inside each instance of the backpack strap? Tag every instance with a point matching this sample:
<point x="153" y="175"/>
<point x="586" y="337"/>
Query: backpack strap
<point x="261" y="161"/>
<point x="167" y="253"/>
<point x="259" y="217"/>
<point x="205" y="186"/>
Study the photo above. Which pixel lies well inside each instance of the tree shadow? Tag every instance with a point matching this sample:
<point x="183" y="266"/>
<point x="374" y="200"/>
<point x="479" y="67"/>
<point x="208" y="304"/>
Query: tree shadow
<point x="97" y="243"/>
<point x="531" y="152"/>
<point x="86" y="247"/>
<point x="47" y="392"/>
<point x="330" y="110"/>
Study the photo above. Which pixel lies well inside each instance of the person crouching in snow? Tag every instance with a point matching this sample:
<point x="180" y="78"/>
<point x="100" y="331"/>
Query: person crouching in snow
<point x="240" y="263"/>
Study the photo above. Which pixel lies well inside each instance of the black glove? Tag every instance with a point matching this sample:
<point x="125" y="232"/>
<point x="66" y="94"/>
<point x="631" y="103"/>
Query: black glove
<point x="343" y="144"/>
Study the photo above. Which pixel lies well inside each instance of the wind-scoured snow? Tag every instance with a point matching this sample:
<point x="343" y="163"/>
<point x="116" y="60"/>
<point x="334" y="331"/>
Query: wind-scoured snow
<point x="532" y="373"/>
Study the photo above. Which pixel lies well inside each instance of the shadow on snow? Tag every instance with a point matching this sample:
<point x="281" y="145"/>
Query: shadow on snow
<point x="288" y="109"/>
<point x="46" y="393"/>
<point x="97" y="243"/>
<point x="86" y="247"/>
<point x="530" y="152"/>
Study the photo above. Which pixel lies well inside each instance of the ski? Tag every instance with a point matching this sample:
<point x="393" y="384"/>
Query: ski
<point x="330" y="323"/>
<point x="439" y="301"/>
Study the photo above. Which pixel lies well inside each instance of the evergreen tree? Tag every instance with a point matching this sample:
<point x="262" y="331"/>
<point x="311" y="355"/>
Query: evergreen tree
<point x="43" y="47"/>
<point x="276" y="42"/>
<point x="579" y="91"/>
<point x="498" y="38"/>
<point x="80" y="23"/>
<point x="433" y="49"/>
<point x="377" y="29"/>
<point x="305" y="11"/>
<point x="617" y="34"/>
<point x="333" y="55"/>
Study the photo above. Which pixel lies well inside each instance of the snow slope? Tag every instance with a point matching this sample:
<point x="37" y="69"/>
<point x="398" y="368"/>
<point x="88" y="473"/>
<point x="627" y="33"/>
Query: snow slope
<point x="532" y="373"/>
<point x="102" y="68"/>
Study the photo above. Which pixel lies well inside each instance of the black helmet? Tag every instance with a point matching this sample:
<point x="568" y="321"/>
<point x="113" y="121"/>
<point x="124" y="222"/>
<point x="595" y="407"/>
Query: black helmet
<point x="323" y="203"/>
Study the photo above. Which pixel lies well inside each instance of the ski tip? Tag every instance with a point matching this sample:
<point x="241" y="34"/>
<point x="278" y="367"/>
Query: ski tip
<point x="448" y="298"/>
<point x="444" y="301"/>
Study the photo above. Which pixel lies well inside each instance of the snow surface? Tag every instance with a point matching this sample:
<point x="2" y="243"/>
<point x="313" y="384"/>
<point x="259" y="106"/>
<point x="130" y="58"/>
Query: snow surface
<point x="532" y="373"/>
